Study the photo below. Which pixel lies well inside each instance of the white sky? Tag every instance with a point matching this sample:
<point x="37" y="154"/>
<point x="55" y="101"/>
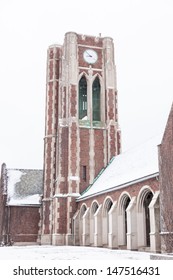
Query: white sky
<point x="143" y="37"/>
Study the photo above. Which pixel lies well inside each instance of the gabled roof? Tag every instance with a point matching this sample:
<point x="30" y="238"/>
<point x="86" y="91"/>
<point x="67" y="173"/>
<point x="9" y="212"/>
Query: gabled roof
<point x="127" y="168"/>
<point x="24" y="186"/>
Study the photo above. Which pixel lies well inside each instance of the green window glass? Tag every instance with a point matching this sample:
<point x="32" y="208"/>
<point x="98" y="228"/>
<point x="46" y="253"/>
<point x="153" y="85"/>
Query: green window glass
<point x="82" y="98"/>
<point x="96" y="99"/>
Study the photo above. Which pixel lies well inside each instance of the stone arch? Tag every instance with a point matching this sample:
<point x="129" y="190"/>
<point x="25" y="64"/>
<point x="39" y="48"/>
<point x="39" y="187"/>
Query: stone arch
<point x="97" y="76"/>
<point x="93" y="209"/>
<point x="144" y="199"/>
<point x="82" y="212"/>
<point x="108" y="202"/>
<point x="83" y="74"/>
<point x="123" y="204"/>
<point x="83" y="209"/>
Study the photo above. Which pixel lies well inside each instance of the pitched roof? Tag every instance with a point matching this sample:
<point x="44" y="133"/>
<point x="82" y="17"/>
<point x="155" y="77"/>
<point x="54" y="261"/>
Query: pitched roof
<point x="133" y="165"/>
<point x="24" y="186"/>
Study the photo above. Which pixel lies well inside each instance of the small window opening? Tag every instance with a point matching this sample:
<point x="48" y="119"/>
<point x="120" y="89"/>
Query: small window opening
<point x="84" y="173"/>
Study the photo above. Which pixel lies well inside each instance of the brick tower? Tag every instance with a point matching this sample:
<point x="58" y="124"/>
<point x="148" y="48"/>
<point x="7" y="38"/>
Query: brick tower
<point x="81" y="127"/>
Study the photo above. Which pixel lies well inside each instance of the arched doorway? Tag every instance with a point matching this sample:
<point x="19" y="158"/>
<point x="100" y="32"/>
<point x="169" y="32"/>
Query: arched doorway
<point x="122" y="219"/>
<point x="94" y="208"/>
<point x="147" y="201"/>
<point x="105" y="220"/>
<point x="126" y="204"/>
<point x="81" y="231"/>
<point x="143" y="217"/>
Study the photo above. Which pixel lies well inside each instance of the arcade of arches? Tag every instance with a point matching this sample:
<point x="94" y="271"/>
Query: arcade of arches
<point x="130" y="222"/>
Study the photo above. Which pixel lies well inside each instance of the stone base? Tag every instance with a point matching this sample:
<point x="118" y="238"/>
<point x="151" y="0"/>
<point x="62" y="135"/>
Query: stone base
<point x="58" y="239"/>
<point x="25" y="243"/>
<point x="69" y="239"/>
<point x="46" y="239"/>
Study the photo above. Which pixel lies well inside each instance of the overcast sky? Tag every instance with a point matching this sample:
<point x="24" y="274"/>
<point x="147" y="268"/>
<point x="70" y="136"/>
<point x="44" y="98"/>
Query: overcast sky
<point x="143" y="36"/>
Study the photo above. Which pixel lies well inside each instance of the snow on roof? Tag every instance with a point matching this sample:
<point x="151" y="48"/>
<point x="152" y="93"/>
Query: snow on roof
<point x="132" y="165"/>
<point x="28" y="200"/>
<point x="24" y="186"/>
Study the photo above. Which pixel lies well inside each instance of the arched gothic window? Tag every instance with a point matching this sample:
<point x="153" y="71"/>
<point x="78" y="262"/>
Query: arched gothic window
<point x="96" y="99"/>
<point x="82" y="98"/>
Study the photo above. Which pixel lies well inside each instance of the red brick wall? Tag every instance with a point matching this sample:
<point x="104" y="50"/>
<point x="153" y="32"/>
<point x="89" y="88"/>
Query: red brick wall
<point x="46" y="211"/>
<point x="98" y="150"/>
<point x="62" y="211"/>
<point x="24" y="223"/>
<point x="84" y="157"/>
<point x="133" y="190"/>
<point x="63" y="157"/>
<point x="166" y="182"/>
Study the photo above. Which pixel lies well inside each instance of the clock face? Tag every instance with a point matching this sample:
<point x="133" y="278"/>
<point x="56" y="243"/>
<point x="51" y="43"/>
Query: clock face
<point x="90" y="56"/>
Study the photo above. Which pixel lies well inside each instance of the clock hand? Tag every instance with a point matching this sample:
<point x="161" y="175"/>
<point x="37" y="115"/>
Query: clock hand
<point x="89" y="54"/>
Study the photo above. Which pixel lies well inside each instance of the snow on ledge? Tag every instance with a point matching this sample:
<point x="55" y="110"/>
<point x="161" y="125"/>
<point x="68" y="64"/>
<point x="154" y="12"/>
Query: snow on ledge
<point x="64" y="195"/>
<point x="28" y="200"/>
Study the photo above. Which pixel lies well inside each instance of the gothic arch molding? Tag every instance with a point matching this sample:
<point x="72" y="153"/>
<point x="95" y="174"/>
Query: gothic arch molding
<point x="93" y="223"/>
<point x="141" y="196"/>
<point x="99" y="77"/>
<point x="123" y="203"/>
<point x="124" y="199"/>
<point x="94" y="207"/>
<point x="83" y="74"/>
<point x="107" y="204"/>
<point x="83" y="209"/>
<point x="143" y="216"/>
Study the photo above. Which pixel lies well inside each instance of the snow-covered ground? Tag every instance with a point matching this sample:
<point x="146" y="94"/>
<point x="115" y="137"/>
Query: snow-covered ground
<point x="68" y="253"/>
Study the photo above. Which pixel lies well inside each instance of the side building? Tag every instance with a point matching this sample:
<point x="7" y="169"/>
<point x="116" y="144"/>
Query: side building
<point x="20" y="206"/>
<point x="121" y="209"/>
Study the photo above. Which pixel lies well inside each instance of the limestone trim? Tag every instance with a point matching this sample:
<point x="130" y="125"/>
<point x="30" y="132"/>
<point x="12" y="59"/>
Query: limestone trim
<point x="141" y="216"/>
<point x="141" y="196"/>
<point x="155" y="238"/>
<point x="121" y="201"/>
<point x="107" y="205"/>
<point x="94" y="207"/>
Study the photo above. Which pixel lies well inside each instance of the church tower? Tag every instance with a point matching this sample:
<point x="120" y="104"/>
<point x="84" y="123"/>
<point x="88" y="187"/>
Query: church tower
<point x="81" y="127"/>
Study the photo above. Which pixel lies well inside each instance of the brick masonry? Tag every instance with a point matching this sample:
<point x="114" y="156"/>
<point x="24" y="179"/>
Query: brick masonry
<point x="24" y="223"/>
<point x="73" y="147"/>
<point x="131" y="191"/>
<point x="166" y="185"/>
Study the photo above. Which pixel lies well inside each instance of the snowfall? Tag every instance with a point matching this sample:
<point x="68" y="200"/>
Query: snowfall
<point x="68" y="253"/>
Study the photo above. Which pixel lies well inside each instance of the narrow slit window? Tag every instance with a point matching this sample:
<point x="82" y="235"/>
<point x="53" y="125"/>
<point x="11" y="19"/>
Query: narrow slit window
<point x="83" y="98"/>
<point x="96" y="99"/>
<point x="84" y="173"/>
